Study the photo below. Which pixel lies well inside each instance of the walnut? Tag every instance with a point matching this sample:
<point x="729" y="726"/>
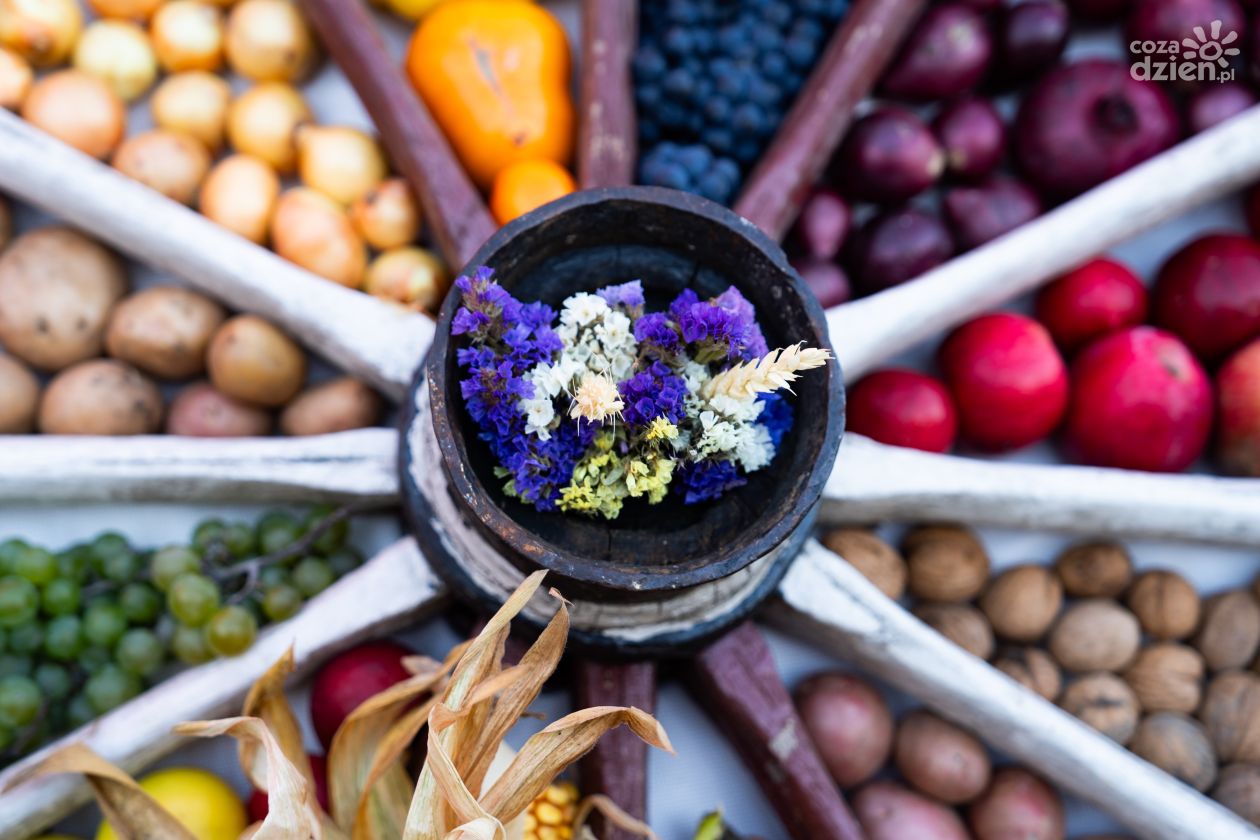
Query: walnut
<point x="1230" y="632"/>
<point x="946" y="564"/>
<point x="1094" y="570"/>
<point x="1032" y="668"/>
<point x="878" y="561"/>
<point x="1179" y="746"/>
<point x="1021" y="603"/>
<point x="1167" y="677"/>
<point x="1165" y="603"/>
<point x="962" y="624"/>
<point x="1105" y="702"/>
<point x="1231" y="713"/>
<point x="1238" y="789"/>
<point x="1096" y="634"/>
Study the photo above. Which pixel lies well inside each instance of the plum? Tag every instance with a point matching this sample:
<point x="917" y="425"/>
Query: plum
<point x="981" y="213"/>
<point x="1090" y="301"/>
<point x="825" y="279"/>
<point x="1030" y="38"/>
<point x="889" y="156"/>
<point x="823" y="225"/>
<point x="1007" y="379"/>
<point x="896" y="246"/>
<point x="973" y="136"/>
<point x="1208" y="293"/>
<point x="1086" y="122"/>
<point x="1238" y="412"/>
<point x="1213" y="104"/>
<point x="1140" y="401"/>
<point x="947" y="53"/>
<point x="1179" y="20"/>
<point x="351" y="677"/>
<point x="903" y="408"/>
<point x="1100" y="11"/>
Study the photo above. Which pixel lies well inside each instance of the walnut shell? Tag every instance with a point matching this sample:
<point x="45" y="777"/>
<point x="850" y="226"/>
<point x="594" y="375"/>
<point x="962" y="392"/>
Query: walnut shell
<point x="1179" y="746"/>
<point x="1167" y="677"/>
<point x="1021" y="603"/>
<point x="1230" y="631"/>
<point x="1166" y="604"/>
<point x="962" y="624"/>
<point x="878" y="561"/>
<point x="1231" y="713"/>
<point x="946" y="564"/>
<point x="1094" y="570"/>
<point x="1096" y="634"/>
<point x="1032" y="668"/>
<point x="1238" y="789"/>
<point x="1105" y="702"/>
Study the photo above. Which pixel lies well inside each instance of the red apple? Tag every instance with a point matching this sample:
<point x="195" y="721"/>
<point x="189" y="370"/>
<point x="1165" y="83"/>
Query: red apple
<point x="1007" y="378"/>
<point x="1097" y="298"/>
<point x="1238" y="407"/>
<point x="903" y="408"/>
<point x="1140" y="401"/>
<point x="1208" y="293"/>
<point x="258" y="805"/>
<point x="351" y="677"/>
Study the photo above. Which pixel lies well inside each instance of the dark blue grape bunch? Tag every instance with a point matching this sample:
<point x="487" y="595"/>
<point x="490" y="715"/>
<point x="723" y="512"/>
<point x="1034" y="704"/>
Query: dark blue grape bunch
<point x="713" y="80"/>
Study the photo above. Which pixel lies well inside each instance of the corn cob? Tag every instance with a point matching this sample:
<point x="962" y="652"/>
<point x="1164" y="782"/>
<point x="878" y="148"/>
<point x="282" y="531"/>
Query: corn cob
<point x="550" y="816"/>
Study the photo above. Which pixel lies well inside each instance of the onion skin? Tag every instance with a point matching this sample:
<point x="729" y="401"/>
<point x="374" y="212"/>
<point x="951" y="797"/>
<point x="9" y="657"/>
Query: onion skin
<point x="263" y="122"/>
<point x="16" y="77"/>
<point x="947" y="53"/>
<point x="78" y="109"/>
<point x="1212" y="105"/>
<point x="118" y="53"/>
<point x="43" y="32"/>
<point x="889" y="156"/>
<point x="240" y="193"/>
<point x="896" y="246"/>
<point x="311" y="230"/>
<point x="981" y="213"/>
<point x="387" y="216"/>
<point x="973" y="135"/>
<point x="825" y="279"/>
<point x="188" y="35"/>
<point x="270" y="41"/>
<point x="193" y="103"/>
<point x="1031" y="38"/>
<point x="823" y="225"/>
<point x="1175" y="20"/>
<point x="343" y="163"/>
<point x="411" y="276"/>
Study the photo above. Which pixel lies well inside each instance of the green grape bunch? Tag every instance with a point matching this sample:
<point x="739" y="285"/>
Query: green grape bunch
<point x="88" y="628"/>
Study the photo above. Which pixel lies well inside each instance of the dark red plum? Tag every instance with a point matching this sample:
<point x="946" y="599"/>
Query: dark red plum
<point x="889" y="156"/>
<point x="1087" y="122"/>
<point x="1213" y="104"/>
<point x="972" y="133"/>
<point x="947" y="53"/>
<point x="981" y="213"/>
<point x="1030" y="38"/>
<point x="825" y="279"/>
<point x="822" y="226"/>
<point x="896" y="246"/>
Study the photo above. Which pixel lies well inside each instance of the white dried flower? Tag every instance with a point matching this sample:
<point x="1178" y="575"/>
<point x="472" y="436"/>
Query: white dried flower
<point x="583" y="309"/>
<point x="596" y="398"/>
<point x="753" y="448"/>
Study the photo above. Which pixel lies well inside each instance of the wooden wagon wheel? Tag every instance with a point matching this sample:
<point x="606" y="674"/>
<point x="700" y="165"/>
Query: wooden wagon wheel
<point x="820" y="595"/>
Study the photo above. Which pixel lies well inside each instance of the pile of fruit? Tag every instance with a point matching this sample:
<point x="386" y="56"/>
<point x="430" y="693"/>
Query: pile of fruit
<point x="1141" y="657"/>
<point x="1131" y="378"/>
<point x="85" y="629"/>
<point x="980" y="124"/>
<point x="230" y="155"/>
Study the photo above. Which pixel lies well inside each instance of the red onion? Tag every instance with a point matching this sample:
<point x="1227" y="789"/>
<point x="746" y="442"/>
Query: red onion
<point x="897" y="246"/>
<point x="1174" y="20"/>
<point x="1030" y="38"/>
<point x="825" y="279"/>
<point x="1099" y="11"/>
<point x="1213" y="104"/>
<point x="984" y="212"/>
<point x="973" y="136"/>
<point x="889" y="156"/>
<point x="946" y="54"/>
<point x="823" y="225"/>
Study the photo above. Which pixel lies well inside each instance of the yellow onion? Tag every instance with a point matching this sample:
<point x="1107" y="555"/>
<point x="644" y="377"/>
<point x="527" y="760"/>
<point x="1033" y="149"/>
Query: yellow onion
<point x="42" y="31"/>
<point x="240" y="194"/>
<point x="15" y="79"/>
<point x="343" y="163"/>
<point x="312" y="230"/>
<point x="79" y="109"/>
<point x="387" y="216"/>
<point x="125" y="9"/>
<point x="120" y="55"/>
<point x="410" y="9"/>
<point x="269" y="41"/>
<point x="188" y="35"/>
<point x="173" y="164"/>
<point x="413" y="277"/>
<point x="263" y="122"/>
<point x="194" y="103"/>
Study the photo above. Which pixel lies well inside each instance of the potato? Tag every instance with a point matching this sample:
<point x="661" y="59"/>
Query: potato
<point x="164" y="331"/>
<point x="1017" y="804"/>
<point x="57" y="288"/>
<point x="19" y="397"/>
<point x="889" y="811"/>
<point x="252" y="360"/>
<point x="201" y="410"/>
<point x="335" y="406"/>
<point x="849" y="723"/>
<point x="940" y="759"/>
<point x="100" y="397"/>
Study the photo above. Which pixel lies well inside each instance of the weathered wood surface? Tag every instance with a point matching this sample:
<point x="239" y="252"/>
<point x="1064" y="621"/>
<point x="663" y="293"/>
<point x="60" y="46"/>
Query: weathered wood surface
<point x="1205" y="167"/>
<point x="831" y="606"/>
<point x="855" y="57"/>
<point x="369" y="338"/>
<point x="873" y="482"/>
<point x="617" y="766"/>
<point x="454" y="211"/>
<point x="607" y="129"/>
<point x="398" y="585"/>
<point x="349" y="466"/>
<point x="736" y="682"/>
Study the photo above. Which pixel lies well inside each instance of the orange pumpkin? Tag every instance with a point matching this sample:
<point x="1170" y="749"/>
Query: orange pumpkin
<point x="495" y="76"/>
<point x="526" y="185"/>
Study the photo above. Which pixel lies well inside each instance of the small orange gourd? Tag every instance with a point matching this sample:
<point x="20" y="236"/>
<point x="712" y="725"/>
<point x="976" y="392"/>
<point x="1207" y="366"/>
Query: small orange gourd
<point x="527" y="185"/>
<point x="495" y="76"/>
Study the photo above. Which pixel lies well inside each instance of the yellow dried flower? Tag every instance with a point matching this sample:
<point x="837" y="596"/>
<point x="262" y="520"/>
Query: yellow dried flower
<point x="596" y="398"/>
<point x="777" y="369"/>
<point x="660" y="429"/>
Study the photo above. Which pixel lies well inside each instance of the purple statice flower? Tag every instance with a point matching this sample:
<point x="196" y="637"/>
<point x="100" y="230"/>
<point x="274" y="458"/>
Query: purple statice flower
<point x="723" y="329"/>
<point x="491" y="394"/>
<point x="653" y="392"/>
<point x="539" y="469"/>
<point x="754" y="342"/>
<point x="629" y="296"/>
<point x="700" y="481"/>
<point x="657" y="335"/>
<point x="487" y="305"/>
<point x="776" y="415"/>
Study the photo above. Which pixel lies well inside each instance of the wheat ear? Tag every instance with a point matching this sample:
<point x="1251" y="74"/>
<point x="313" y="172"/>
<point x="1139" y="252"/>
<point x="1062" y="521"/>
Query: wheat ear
<point x="777" y="369"/>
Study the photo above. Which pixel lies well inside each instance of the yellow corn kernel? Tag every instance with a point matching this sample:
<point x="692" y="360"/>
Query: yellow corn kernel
<point x="550" y="816"/>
